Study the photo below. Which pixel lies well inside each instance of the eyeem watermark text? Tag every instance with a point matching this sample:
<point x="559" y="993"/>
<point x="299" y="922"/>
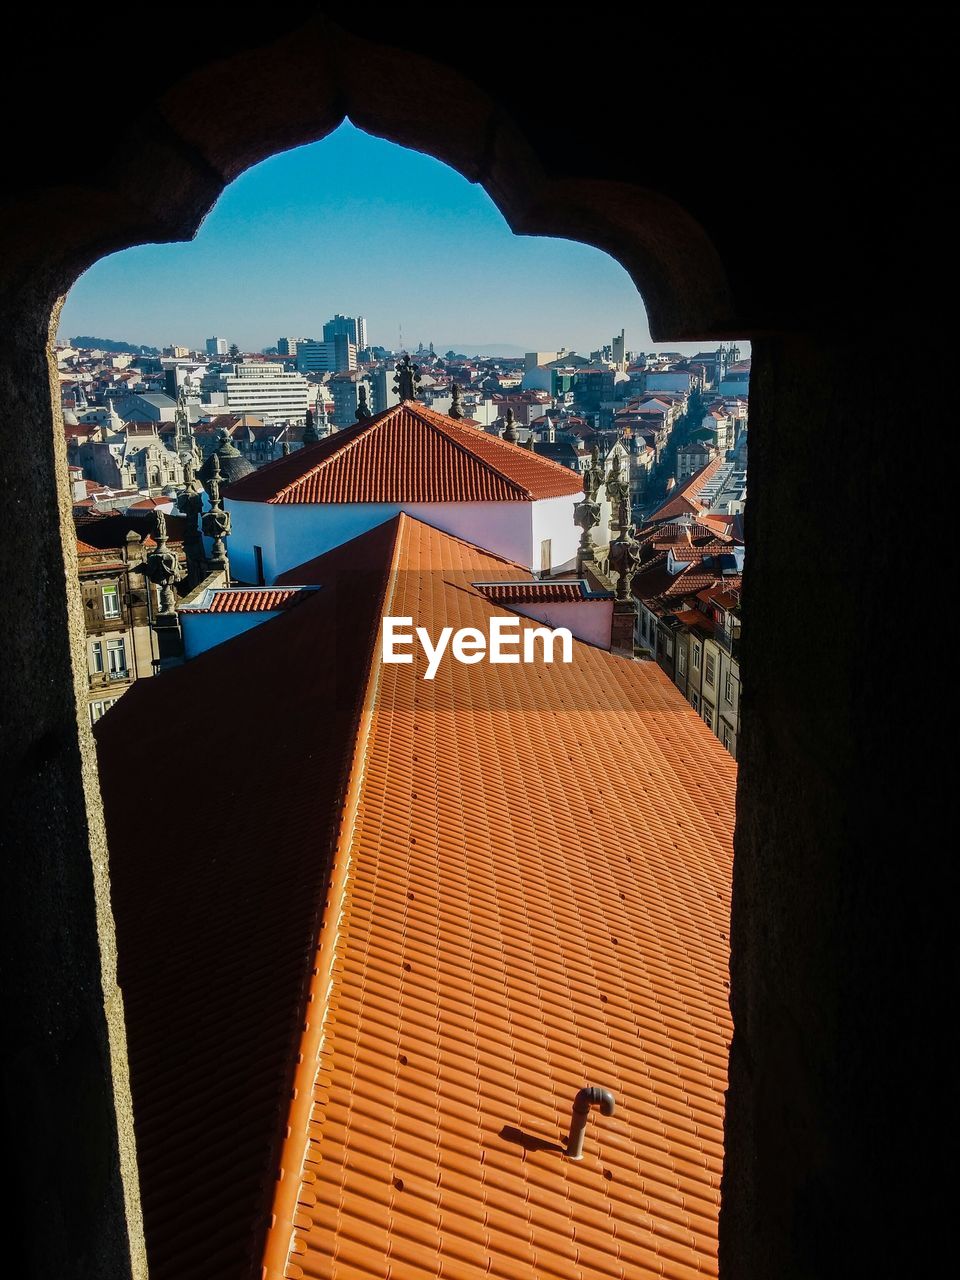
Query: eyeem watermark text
<point x="505" y="643"/>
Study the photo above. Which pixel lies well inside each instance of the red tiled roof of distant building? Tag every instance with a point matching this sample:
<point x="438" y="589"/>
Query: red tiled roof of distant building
<point x="720" y="596"/>
<point x="695" y="579"/>
<point x="151" y="504"/>
<point x="694" y="618"/>
<point x="393" y="918"/>
<point x="718" y="521"/>
<point x="683" y="500"/>
<point x="408" y="454"/>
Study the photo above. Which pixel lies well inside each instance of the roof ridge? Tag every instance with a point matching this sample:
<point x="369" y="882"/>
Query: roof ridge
<point x="310" y="1042"/>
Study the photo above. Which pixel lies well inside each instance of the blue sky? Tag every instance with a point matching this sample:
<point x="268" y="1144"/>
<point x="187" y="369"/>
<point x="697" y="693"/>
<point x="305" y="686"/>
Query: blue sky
<point x="357" y="225"/>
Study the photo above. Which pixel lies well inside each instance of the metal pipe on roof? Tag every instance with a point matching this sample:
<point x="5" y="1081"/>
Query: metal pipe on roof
<point x="589" y="1096"/>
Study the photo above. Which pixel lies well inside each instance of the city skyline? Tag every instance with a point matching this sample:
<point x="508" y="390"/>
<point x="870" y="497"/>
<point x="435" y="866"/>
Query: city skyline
<point x="311" y="232"/>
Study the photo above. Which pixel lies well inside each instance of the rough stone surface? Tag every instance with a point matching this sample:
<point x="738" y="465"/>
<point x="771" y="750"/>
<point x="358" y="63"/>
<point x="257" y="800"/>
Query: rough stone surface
<point x="801" y="207"/>
<point x="66" y="1106"/>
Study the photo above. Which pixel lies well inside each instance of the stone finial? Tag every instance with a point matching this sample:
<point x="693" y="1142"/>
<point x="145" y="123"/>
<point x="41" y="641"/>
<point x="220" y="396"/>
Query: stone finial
<point x="310" y="433"/>
<point x="363" y="409"/>
<point x="216" y="523"/>
<point x="586" y="516"/>
<point x="510" y="428"/>
<point x="406" y="382"/>
<point x="190" y="504"/>
<point x="624" y="553"/>
<point x="162" y="569"/>
<point x="456" y="406"/>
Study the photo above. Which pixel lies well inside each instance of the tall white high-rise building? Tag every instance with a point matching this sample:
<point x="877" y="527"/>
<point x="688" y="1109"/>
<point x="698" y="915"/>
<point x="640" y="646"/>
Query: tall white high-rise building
<point x="263" y="388"/>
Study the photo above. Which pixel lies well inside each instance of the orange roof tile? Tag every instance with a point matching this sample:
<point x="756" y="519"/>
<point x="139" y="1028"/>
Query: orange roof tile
<point x="684" y="499"/>
<point x="408" y="955"/>
<point x="408" y="454"/>
<point x="250" y="600"/>
<point x="149" y="504"/>
<point x="558" y="592"/>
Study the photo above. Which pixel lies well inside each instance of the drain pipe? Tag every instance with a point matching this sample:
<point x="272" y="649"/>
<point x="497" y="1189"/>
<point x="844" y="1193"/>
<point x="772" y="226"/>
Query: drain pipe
<point x="591" y="1096"/>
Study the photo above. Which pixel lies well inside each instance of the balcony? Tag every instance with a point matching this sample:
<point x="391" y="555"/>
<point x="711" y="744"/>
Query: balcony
<point x="728" y="640"/>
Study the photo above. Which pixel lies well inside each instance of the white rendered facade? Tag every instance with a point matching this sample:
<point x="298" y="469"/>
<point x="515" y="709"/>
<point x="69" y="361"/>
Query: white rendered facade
<point x="267" y="390"/>
<point x="539" y="535"/>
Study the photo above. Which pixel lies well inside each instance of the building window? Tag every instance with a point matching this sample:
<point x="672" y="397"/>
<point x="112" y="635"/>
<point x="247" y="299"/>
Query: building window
<point x="96" y="657"/>
<point x="708" y="715"/>
<point x="99" y="707"/>
<point x="711" y="672"/>
<point x="695" y="701"/>
<point x="728" y="738"/>
<point x="546" y="555"/>
<point x="728" y="688"/>
<point x="111" y="601"/>
<point x="117" y="659"/>
<point x="681" y="661"/>
<point x="258" y="558"/>
<point x="696" y="657"/>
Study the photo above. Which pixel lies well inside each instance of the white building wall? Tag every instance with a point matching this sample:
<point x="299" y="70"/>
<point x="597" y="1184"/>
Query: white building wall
<point x="589" y="620"/>
<point x="252" y="525"/>
<point x="501" y="527"/>
<point x="202" y="631"/>
<point x="553" y="520"/>
<point x="291" y="534"/>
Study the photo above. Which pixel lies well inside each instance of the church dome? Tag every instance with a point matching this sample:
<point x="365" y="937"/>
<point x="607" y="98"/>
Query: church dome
<point x="233" y="465"/>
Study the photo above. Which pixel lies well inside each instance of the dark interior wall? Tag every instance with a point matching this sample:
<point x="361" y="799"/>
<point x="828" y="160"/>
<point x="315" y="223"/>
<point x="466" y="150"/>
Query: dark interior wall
<point x="835" y="1145"/>
<point x="780" y="183"/>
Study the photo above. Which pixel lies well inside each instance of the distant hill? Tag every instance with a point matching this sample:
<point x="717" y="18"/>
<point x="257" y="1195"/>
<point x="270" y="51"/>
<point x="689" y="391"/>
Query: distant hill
<point x="111" y="344"/>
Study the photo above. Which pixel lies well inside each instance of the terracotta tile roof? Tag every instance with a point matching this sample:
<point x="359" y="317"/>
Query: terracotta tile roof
<point x="217" y="920"/>
<point x="683" y="500"/>
<point x="538" y="592"/>
<point x="250" y="600"/>
<point x="149" y="504"/>
<point x="396" y="957"/>
<point x="408" y="454"/>
<point x="694" y="618"/>
<point x="720" y="596"/>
